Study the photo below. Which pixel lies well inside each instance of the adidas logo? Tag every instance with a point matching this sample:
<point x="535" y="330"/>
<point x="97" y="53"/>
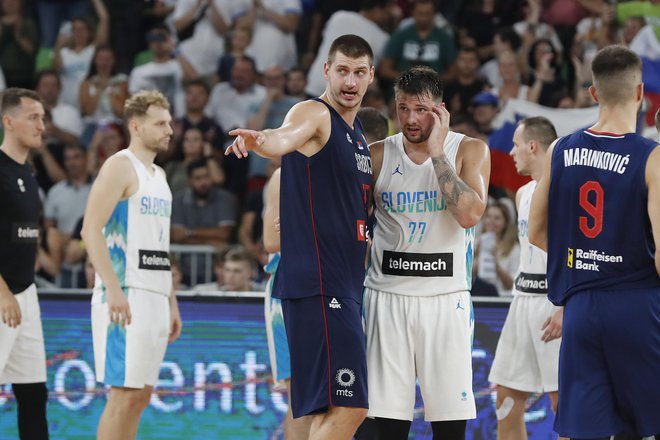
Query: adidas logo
<point x="334" y="304"/>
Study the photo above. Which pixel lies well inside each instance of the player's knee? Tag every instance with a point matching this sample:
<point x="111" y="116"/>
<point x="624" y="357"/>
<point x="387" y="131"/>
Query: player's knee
<point x="132" y="400"/>
<point x="355" y="416"/>
<point x="506" y="407"/>
<point x="30" y="395"/>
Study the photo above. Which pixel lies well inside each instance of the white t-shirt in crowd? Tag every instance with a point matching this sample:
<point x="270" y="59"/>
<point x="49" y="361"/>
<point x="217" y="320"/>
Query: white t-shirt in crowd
<point x="231" y="109"/>
<point x="166" y="77"/>
<point x="66" y="117"/>
<point x="270" y="45"/>
<point x="340" y="23"/>
<point x="204" y="49"/>
<point x="75" y="67"/>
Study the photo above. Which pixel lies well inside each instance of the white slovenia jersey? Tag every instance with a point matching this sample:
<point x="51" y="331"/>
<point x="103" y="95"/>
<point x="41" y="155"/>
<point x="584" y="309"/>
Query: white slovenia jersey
<point x="138" y="233"/>
<point x="531" y="277"/>
<point x="419" y="249"/>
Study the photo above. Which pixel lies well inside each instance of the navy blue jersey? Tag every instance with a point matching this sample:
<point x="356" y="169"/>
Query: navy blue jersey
<point x="323" y="215"/>
<point x="599" y="232"/>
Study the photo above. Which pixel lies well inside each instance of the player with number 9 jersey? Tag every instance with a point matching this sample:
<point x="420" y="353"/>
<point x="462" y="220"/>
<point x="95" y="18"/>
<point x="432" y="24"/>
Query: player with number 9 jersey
<point x="598" y="192"/>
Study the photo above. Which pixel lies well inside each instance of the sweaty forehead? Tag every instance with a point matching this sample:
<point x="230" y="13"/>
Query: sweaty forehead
<point x="352" y="63"/>
<point x="414" y="100"/>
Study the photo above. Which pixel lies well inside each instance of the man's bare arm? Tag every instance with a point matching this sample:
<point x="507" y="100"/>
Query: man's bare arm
<point x="112" y="184"/>
<point x="538" y="210"/>
<point x="301" y="125"/>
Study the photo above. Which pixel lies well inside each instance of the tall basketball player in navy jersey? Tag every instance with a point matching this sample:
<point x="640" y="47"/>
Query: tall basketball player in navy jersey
<point x="597" y="210"/>
<point x="325" y="183"/>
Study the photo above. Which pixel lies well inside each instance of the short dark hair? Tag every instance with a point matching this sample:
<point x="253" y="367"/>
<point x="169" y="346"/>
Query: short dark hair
<point x="238" y="253"/>
<point x="424" y="2"/>
<point x="657" y="119"/>
<point x="540" y="129"/>
<point x="199" y="83"/>
<point x="352" y="46"/>
<point x="419" y="81"/>
<point x="374" y="124"/>
<point x="616" y="71"/>
<point x="47" y="72"/>
<point x="509" y="35"/>
<point x="249" y="60"/>
<point x="11" y="98"/>
<point x="195" y="164"/>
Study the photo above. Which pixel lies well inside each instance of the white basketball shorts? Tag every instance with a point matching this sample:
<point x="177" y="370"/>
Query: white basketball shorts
<point x="130" y="356"/>
<point x="424" y="338"/>
<point x="22" y="350"/>
<point x="523" y="361"/>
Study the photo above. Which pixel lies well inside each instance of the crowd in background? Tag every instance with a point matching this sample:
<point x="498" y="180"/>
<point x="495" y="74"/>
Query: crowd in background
<point x="224" y="64"/>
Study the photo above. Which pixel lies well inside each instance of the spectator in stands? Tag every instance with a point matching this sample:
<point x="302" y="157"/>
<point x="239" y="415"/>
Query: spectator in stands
<point x="270" y="114"/>
<point x="239" y="42"/>
<point x="422" y="43"/>
<point x="66" y="125"/>
<point x="320" y="16"/>
<point x="102" y="93"/>
<point x="232" y="104"/>
<point x="195" y="148"/>
<point x="367" y="24"/>
<point x="237" y="273"/>
<point x="481" y="18"/>
<point x="530" y="28"/>
<point x="166" y="72"/>
<point x="510" y="85"/>
<point x="296" y="83"/>
<point x="484" y="108"/>
<point x="251" y="224"/>
<point x="218" y="273"/>
<point x="202" y="213"/>
<point x="547" y="83"/>
<point x="202" y="26"/>
<point x="197" y="97"/>
<point x="497" y="252"/>
<point x="52" y="13"/>
<point x="18" y="45"/>
<point x="75" y="252"/>
<point x="177" y="275"/>
<point x="273" y="41"/>
<point x="374" y="124"/>
<point x="459" y="93"/>
<point x="47" y="168"/>
<point x="505" y="39"/>
<point x="49" y="256"/>
<point x="74" y="52"/>
<point x="106" y="141"/>
<point x="66" y="200"/>
<point x="631" y="28"/>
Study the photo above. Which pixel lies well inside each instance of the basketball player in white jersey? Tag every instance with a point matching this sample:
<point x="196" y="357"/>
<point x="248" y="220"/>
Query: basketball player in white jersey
<point x="430" y="191"/>
<point x="527" y="355"/>
<point x="127" y="234"/>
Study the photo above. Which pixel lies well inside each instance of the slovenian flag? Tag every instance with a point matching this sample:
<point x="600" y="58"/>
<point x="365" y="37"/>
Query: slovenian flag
<point x="503" y="171"/>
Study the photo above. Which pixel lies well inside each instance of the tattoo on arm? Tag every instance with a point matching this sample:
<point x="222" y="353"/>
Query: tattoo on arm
<point x="451" y="185"/>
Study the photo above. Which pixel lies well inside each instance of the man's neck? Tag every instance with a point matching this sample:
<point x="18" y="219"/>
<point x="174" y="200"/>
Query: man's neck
<point x="144" y="155"/>
<point x="347" y="114"/>
<point x="417" y="152"/>
<point x="17" y="153"/>
<point x="78" y="181"/>
<point x="619" y="119"/>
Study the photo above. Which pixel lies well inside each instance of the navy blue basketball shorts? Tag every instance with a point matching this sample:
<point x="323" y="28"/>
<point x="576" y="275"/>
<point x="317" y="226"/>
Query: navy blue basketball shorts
<point x="609" y="364"/>
<point x="328" y="357"/>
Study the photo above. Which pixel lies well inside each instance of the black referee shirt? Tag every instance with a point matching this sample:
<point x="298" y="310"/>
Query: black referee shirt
<point x="19" y="223"/>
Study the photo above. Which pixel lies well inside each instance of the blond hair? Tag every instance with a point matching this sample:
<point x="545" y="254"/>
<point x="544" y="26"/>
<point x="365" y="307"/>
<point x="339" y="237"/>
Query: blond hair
<point x="137" y="105"/>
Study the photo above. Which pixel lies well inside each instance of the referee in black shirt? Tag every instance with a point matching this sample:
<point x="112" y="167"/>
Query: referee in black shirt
<point x="22" y="351"/>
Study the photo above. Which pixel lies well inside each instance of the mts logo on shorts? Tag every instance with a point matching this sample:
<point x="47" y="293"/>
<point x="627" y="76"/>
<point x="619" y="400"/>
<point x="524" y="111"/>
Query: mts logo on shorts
<point x="345" y="378"/>
<point x="408" y="264"/>
<point x="154" y="260"/>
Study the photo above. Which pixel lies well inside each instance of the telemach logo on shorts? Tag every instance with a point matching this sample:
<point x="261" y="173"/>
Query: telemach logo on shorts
<point x="154" y="260"/>
<point x="408" y="264"/>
